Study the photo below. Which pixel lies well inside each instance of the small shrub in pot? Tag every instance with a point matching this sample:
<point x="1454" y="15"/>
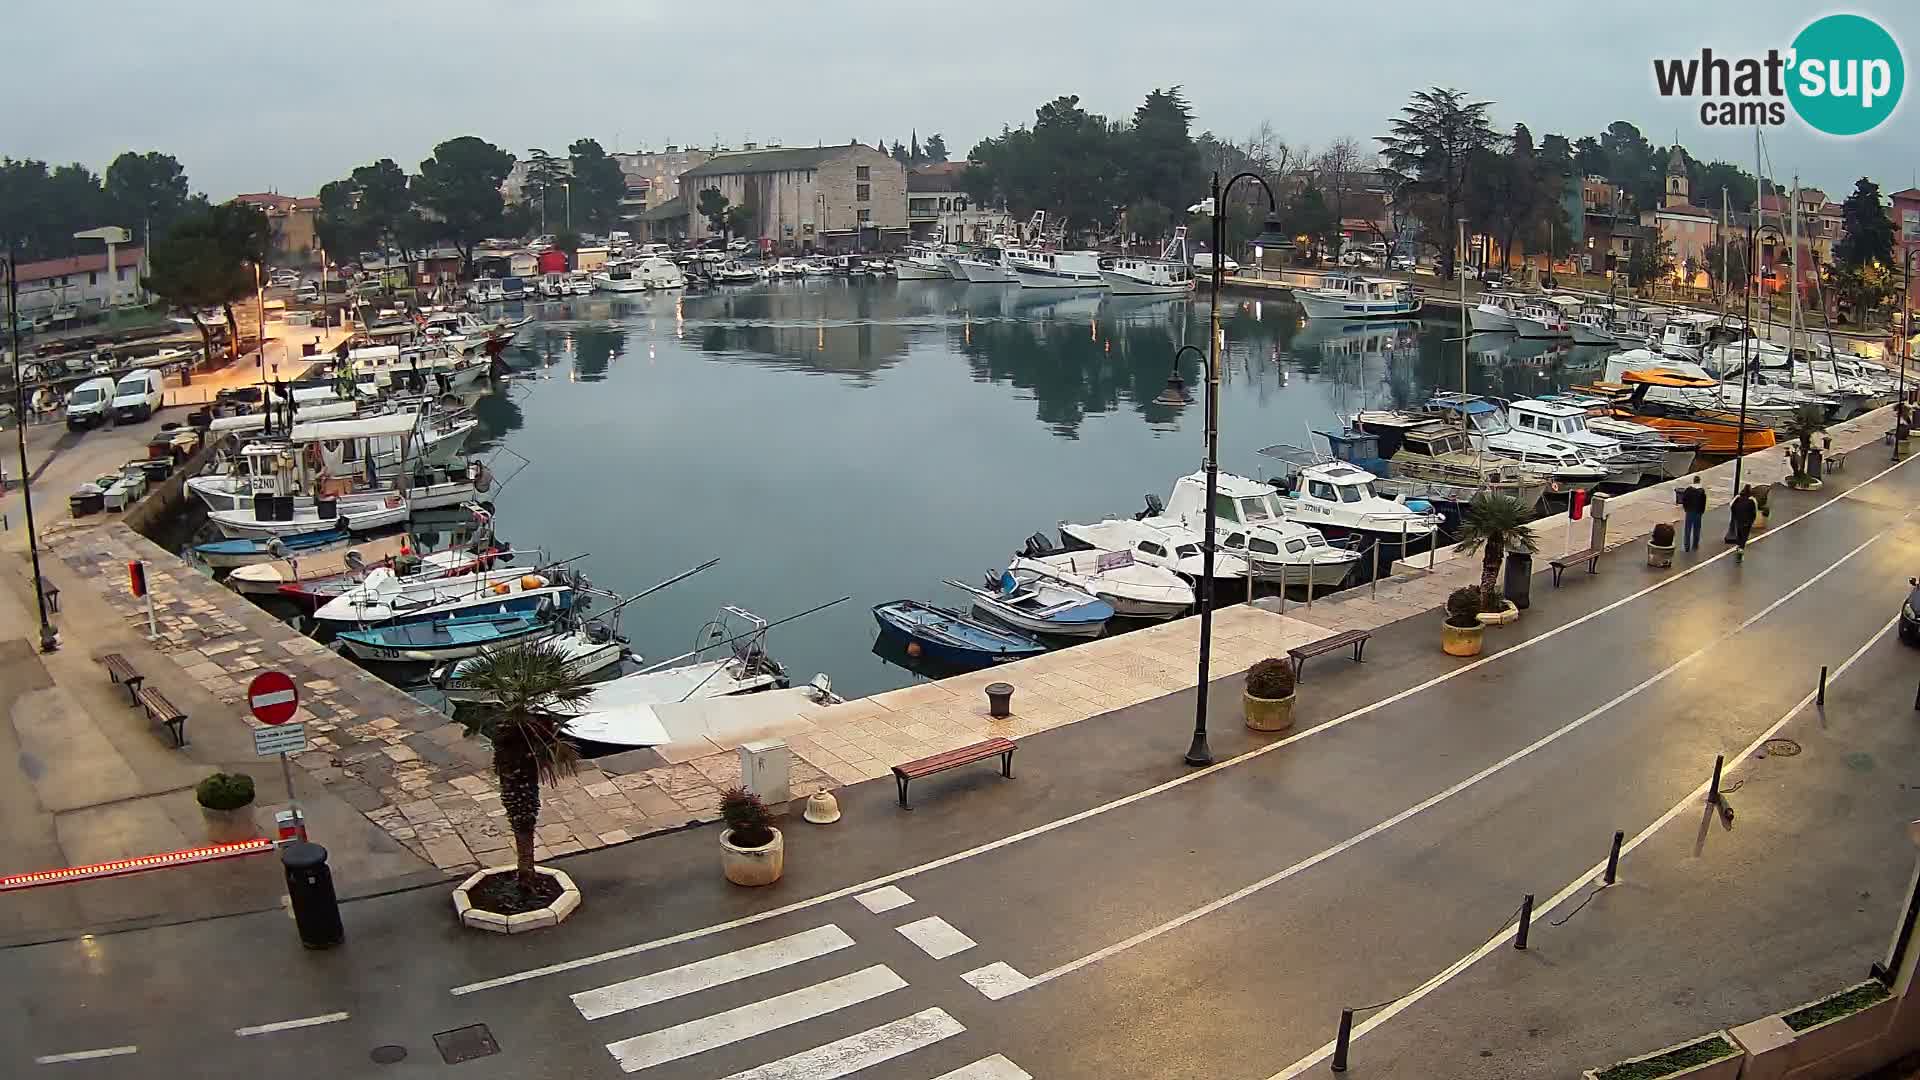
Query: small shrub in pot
<point x="1463" y="607"/>
<point x="1663" y="535"/>
<point x="1271" y="679"/>
<point x="747" y="818"/>
<point x="225" y="791"/>
<point x="752" y="851"/>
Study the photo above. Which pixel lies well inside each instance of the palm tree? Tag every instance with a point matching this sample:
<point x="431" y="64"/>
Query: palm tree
<point x="1806" y="422"/>
<point x="530" y="691"/>
<point x="1494" y="524"/>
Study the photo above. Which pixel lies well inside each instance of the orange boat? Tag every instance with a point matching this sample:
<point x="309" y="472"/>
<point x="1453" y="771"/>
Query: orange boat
<point x="1717" y="431"/>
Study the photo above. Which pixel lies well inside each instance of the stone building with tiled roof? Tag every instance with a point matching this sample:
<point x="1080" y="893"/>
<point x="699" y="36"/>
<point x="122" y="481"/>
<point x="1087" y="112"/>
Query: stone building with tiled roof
<point x="820" y="198"/>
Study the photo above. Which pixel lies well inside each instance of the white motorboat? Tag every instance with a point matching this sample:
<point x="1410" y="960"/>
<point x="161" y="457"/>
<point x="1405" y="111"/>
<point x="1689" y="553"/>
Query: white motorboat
<point x="1676" y="456"/>
<point x="264" y="575"/>
<point x="579" y="284"/>
<point x="1689" y="336"/>
<point x="1540" y="320"/>
<point x="486" y="291"/>
<point x="257" y="522"/>
<point x="1136" y="589"/>
<point x="1765" y="404"/>
<point x="1486" y="428"/>
<point x="1039" y="605"/>
<point x="386" y="597"/>
<point x="1428" y="459"/>
<point x="1154" y="541"/>
<point x="620" y="276"/>
<point x="1568" y="423"/>
<point x="986" y="267"/>
<point x="705" y="718"/>
<point x="1256" y="521"/>
<point x="260" y="473"/>
<point x="923" y="263"/>
<point x="1056" y="269"/>
<point x="553" y="286"/>
<point x="588" y="650"/>
<point x="1593" y="327"/>
<point x="1170" y="274"/>
<point x="1349" y="296"/>
<point x="732" y="273"/>
<point x="1491" y="315"/>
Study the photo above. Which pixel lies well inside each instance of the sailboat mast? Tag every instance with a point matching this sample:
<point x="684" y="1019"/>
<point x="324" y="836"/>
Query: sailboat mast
<point x="1464" y="333"/>
<point x="1746" y="339"/>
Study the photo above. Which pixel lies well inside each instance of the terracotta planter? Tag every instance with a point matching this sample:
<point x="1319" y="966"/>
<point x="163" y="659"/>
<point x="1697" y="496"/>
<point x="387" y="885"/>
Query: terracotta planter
<point x="229" y="826"/>
<point x="519" y="923"/>
<point x="753" y="866"/>
<point x="1659" y="556"/>
<point x="1507" y="614"/>
<point x="1461" y="640"/>
<point x="1268" y="714"/>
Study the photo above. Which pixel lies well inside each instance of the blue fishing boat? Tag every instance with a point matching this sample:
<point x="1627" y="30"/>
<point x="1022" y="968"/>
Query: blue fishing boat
<point x="952" y="638"/>
<point x="229" y="554"/>
<point x="435" y="640"/>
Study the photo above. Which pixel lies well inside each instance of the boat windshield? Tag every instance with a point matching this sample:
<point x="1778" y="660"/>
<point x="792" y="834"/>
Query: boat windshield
<point x="1223" y="508"/>
<point x="1254" y="509"/>
<point x="1187" y="551"/>
<point x="1353" y="493"/>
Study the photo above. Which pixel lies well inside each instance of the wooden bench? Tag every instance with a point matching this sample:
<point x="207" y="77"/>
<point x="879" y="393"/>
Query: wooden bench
<point x="953" y="759"/>
<point x="122" y="673"/>
<point x="1355" y="638"/>
<point x="1590" y="556"/>
<point x="165" y="713"/>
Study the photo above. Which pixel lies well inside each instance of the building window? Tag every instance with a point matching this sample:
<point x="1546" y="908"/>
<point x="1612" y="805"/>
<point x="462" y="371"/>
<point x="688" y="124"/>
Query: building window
<point x="862" y="192"/>
<point x="865" y="216"/>
<point x="93" y="277"/>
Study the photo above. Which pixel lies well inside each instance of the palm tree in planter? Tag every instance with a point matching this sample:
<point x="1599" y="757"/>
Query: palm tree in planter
<point x="1494" y="525"/>
<point x="530" y="692"/>
<point x="1806" y="422"/>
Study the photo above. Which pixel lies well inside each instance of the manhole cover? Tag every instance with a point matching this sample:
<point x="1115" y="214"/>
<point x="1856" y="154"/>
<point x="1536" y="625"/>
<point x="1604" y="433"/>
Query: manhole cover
<point x="388" y="1055"/>
<point x="465" y="1044"/>
<point x="1780" y="747"/>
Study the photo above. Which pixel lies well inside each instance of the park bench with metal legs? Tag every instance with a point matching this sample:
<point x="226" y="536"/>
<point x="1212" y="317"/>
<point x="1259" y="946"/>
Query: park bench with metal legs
<point x="953" y="759"/>
<point x="165" y="713"/>
<point x="1590" y="556"/>
<point x="1356" y="638"/>
<point x="122" y="673"/>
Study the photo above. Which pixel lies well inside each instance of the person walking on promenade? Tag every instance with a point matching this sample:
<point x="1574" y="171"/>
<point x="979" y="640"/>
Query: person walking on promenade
<point x="1744" y="512"/>
<point x="1693" y="501"/>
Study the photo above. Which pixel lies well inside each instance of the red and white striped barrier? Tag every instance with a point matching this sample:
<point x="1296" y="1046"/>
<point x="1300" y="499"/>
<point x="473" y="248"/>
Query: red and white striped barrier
<point x="183" y="857"/>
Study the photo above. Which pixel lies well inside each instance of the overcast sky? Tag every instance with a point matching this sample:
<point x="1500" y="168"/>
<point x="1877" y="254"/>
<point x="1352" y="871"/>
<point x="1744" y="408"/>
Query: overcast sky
<point x="267" y="96"/>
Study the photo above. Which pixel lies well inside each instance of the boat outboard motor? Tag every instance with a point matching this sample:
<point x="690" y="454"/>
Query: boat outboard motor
<point x="1037" y="546"/>
<point x="1154" y="508"/>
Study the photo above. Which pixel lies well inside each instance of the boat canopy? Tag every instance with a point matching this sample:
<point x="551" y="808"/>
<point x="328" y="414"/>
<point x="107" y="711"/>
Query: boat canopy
<point x="221" y="425"/>
<point x="366" y="427"/>
<point x="1665" y="378"/>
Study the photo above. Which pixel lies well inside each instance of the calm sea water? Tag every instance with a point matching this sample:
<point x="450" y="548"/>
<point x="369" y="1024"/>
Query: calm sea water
<point x="826" y="438"/>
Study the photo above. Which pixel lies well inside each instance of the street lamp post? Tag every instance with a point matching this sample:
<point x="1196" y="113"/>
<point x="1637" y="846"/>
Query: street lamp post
<point x="569" y="186"/>
<point x="1905" y="351"/>
<point x="1199" y="753"/>
<point x="49" y="638"/>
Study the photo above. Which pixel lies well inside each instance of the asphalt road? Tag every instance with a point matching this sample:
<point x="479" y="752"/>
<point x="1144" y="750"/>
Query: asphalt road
<point x="1104" y="915"/>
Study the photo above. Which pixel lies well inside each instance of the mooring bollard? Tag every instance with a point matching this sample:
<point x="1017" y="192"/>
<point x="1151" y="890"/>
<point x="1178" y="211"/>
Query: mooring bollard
<point x="1713" y="790"/>
<point x="1375" y="580"/>
<point x="1821" y="701"/>
<point x="1526" y="921"/>
<point x="1340" y="1041"/>
<point x="1613" y="857"/>
<point x="999" y="700"/>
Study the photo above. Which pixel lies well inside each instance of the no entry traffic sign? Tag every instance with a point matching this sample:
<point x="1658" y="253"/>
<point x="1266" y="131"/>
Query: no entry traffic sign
<point x="272" y="697"/>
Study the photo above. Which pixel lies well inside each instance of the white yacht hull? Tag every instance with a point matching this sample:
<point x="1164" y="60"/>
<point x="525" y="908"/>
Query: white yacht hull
<point x="1345" y="307"/>
<point x="624" y="285"/>
<point x="243" y="525"/>
<point x="1532" y="328"/>
<point x="1126" y="285"/>
<point x="1587" y="335"/>
<point x="1488" y="319"/>
<point x="908" y="270"/>
<point x="1032" y="279"/>
<point x="983" y="273"/>
<point x="584" y="657"/>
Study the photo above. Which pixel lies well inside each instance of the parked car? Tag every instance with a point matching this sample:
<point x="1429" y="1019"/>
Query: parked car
<point x="1204" y="261"/>
<point x="89" y="404"/>
<point x="1910" y="614"/>
<point x="1401" y="262"/>
<point x="137" y="395"/>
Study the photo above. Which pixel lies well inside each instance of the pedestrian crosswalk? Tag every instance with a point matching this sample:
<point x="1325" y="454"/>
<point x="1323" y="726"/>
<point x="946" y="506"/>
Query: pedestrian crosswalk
<point x="816" y="953"/>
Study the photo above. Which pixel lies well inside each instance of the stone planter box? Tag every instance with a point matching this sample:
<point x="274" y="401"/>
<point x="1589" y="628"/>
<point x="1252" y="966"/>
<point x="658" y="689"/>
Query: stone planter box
<point x="1659" y="556"/>
<point x="493" y="922"/>
<point x="229" y="826"/>
<point x="754" y="866"/>
<point x="1724" y="1068"/>
<point x="1507" y="614"/>
<point x="1839" y="1047"/>
<point x="1267" y="714"/>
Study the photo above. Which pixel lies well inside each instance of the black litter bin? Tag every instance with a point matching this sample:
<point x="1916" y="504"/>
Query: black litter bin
<point x="316" y="911"/>
<point x="1518" y="586"/>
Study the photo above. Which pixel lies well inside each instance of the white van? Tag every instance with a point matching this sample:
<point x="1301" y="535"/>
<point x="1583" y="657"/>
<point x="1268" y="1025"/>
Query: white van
<point x="137" y="395"/>
<point x="89" y="404"/>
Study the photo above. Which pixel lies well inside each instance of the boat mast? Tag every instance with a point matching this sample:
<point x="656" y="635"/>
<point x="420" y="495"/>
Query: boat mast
<point x="1463" y="335"/>
<point x="1746" y="339"/>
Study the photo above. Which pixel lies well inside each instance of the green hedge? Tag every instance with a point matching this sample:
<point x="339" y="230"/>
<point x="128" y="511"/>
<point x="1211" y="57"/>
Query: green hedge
<point x="1672" y="1061"/>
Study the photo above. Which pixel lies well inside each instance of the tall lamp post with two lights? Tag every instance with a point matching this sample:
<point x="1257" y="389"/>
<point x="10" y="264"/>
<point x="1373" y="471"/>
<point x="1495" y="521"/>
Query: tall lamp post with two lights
<point x="1175" y="394"/>
<point x="49" y="637"/>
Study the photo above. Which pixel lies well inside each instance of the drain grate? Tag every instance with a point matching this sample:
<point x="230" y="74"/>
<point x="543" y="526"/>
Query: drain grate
<point x="1780" y="747"/>
<point x="465" y="1044"/>
<point x="388" y="1055"/>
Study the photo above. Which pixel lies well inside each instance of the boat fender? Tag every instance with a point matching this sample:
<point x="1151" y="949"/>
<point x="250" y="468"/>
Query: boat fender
<point x="479" y="476"/>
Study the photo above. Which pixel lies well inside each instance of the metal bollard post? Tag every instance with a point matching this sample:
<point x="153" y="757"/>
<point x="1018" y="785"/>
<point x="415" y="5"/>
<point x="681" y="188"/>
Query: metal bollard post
<point x="1526" y="921"/>
<point x="1375" y="580"/>
<point x="1916" y="701"/>
<point x="1821" y="701"/>
<point x="1340" y="1041"/>
<point x="1309" y="586"/>
<point x="1613" y="857"/>
<point x="1713" y="791"/>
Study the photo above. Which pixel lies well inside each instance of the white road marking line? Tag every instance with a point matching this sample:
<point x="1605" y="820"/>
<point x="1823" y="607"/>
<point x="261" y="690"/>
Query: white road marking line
<point x="288" y="1025"/>
<point x="856" y="1052"/>
<point x="713" y="971"/>
<point x="1694" y="800"/>
<point x="936" y="937"/>
<point x="997" y="980"/>
<point x="1431" y="801"/>
<point x="757" y="1018"/>
<point x="86" y="1055"/>
<point x="1145" y="793"/>
<point x="996" y="1067"/>
<point x="885" y="899"/>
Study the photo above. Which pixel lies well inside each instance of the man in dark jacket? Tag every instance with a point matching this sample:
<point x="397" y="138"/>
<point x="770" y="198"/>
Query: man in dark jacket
<point x="1693" y="501"/>
<point x="1744" y="511"/>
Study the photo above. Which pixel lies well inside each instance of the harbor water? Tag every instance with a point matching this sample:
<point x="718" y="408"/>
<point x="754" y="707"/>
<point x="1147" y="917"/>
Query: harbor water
<point x="826" y="437"/>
